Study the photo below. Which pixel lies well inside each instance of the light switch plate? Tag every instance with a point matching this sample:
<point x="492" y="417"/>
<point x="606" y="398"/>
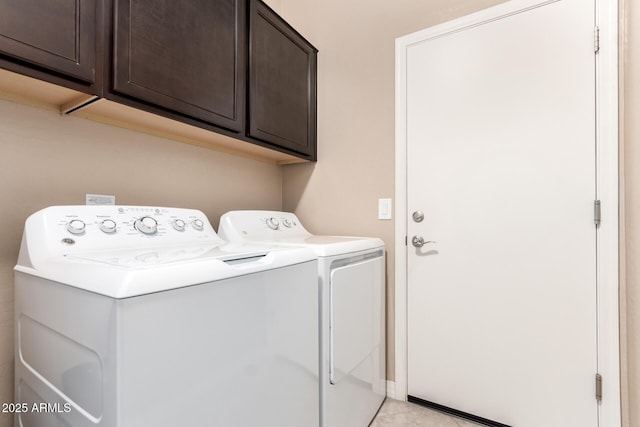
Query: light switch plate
<point x="384" y="208"/>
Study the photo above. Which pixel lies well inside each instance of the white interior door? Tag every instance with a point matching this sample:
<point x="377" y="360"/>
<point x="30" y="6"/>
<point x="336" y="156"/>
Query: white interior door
<point x="501" y="161"/>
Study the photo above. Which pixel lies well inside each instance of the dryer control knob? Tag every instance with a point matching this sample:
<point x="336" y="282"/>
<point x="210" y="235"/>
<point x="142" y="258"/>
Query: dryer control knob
<point x="76" y="226"/>
<point x="178" y="224"/>
<point x="287" y="222"/>
<point x="108" y="226"/>
<point x="273" y="223"/>
<point x="147" y="225"/>
<point x="198" y="224"/>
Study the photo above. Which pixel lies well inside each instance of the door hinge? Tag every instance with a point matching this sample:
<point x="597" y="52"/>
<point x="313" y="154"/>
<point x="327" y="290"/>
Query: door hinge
<point x="596" y="39"/>
<point x="598" y="387"/>
<point x="597" y="214"/>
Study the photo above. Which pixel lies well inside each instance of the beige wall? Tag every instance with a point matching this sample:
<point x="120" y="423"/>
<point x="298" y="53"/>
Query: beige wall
<point x="47" y="159"/>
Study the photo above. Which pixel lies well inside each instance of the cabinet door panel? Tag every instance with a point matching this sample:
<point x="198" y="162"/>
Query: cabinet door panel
<point x="282" y="93"/>
<point x="58" y="35"/>
<point x="184" y="55"/>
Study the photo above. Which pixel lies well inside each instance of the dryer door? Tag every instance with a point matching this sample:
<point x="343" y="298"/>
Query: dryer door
<point x="356" y="329"/>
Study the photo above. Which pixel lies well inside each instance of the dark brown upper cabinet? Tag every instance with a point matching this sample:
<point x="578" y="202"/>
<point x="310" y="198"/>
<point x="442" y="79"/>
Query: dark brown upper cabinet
<point x="187" y="56"/>
<point x="282" y="83"/>
<point x="57" y="36"/>
<point x="233" y="67"/>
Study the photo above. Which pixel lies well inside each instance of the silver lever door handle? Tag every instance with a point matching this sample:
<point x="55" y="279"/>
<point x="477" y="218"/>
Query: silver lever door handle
<point x="419" y="242"/>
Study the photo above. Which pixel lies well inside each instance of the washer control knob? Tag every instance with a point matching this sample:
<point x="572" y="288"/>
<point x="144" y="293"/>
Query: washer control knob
<point x="178" y="224"/>
<point x="198" y="224"/>
<point x="76" y="226"/>
<point x="147" y="225"/>
<point x="108" y="226"/>
<point x="273" y="223"/>
<point x="287" y="223"/>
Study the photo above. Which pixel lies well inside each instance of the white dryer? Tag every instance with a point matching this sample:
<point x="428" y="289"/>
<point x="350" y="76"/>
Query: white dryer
<point x="138" y="316"/>
<point x="351" y="272"/>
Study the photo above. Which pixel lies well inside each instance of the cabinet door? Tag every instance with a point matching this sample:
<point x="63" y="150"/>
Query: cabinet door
<point x="57" y="35"/>
<point x="186" y="56"/>
<point x="282" y="91"/>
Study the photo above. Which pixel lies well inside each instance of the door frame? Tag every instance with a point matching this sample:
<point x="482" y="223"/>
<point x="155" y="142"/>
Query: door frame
<point x="607" y="191"/>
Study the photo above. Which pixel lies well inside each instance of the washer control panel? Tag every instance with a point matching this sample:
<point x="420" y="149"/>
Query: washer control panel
<point x="146" y="225"/>
<point x="86" y="228"/>
<point x="76" y="226"/>
<point x="108" y="226"/>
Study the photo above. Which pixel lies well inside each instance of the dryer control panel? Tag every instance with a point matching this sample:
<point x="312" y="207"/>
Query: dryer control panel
<point x="260" y="226"/>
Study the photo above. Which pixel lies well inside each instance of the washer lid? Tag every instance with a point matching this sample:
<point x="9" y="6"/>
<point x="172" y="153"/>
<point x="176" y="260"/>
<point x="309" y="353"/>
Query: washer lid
<point x="154" y="257"/>
<point x="130" y="273"/>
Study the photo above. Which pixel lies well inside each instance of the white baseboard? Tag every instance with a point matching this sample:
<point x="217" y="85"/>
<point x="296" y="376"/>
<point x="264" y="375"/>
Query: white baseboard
<point x="391" y="389"/>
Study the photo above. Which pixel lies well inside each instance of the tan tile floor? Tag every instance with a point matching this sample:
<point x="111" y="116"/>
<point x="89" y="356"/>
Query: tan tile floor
<point x="394" y="413"/>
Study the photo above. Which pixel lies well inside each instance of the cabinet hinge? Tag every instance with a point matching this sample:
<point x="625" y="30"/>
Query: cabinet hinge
<point x="598" y="387"/>
<point x="596" y="39"/>
<point x="597" y="218"/>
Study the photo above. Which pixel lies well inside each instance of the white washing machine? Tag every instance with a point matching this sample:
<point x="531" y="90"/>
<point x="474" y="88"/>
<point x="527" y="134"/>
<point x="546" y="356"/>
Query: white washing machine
<point x="137" y="316"/>
<point x="351" y="272"/>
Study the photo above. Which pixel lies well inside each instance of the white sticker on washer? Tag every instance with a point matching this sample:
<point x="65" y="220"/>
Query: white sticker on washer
<point x="100" y="199"/>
